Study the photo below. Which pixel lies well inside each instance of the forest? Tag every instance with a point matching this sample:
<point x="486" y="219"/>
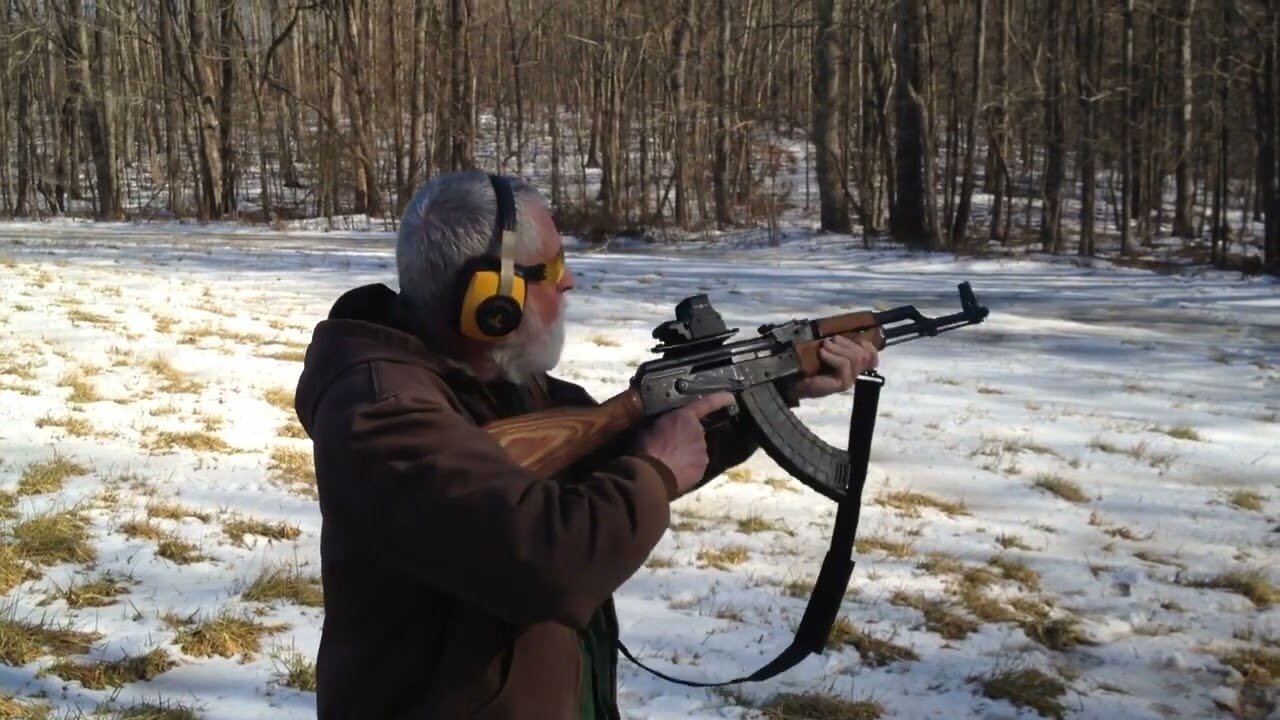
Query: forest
<point x="1097" y="127"/>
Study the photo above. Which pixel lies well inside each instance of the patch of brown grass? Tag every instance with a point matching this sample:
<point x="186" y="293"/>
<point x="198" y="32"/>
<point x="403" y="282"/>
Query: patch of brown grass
<point x="1016" y="570"/>
<point x="237" y="529"/>
<point x="82" y="390"/>
<point x="1028" y="688"/>
<point x="97" y="592"/>
<point x="224" y="635"/>
<point x="171" y="379"/>
<point x="286" y="583"/>
<point x="815" y="706"/>
<point x="911" y="503"/>
<point x="48" y="476"/>
<point x="1246" y="500"/>
<point x="178" y="551"/>
<point x="295" y="670"/>
<point x="1252" y="584"/>
<point x="113" y="673"/>
<point x="74" y="426"/>
<point x="757" y="524"/>
<point x="876" y="652"/>
<point x="54" y="537"/>
<point x="12" y="708"/>
<point x="292" y="429"/>
<point x="21" y="641"/>
<point x="197" y="441"/>
<point x="894" y="548"/>
<point x="1063" y="488"/>
<point x="722" y="558"/>
<point x="293" y="466"/>
<point x="174" y="511"/>
<point x="938" y="617"/>
<point x="279" y="398"/>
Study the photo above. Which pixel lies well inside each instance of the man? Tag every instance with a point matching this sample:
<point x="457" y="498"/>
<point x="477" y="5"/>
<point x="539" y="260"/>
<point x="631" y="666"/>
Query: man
<point x="457" y="584"/>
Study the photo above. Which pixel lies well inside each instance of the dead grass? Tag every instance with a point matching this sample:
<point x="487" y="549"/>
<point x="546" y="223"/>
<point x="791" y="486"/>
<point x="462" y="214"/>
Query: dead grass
<point x="174" y="511"/>
<point x="603" y="340"/>
<point x="74" y="426"/>
<point x="801" y="588"/>
<point x="893" y="548"/>
<point x="178" y="551"/>
<point x="722" y="558"/>
<point x="293" y="466"/>
<point x="292" y="429"/>
<point x="100" y="591"/>
<point x="54" y="537"/>
<point x="1011" y="542"/>
<point x="142" y="530"/>
<point x="113" y="673"/>
<point x="815" y="706"/>
<point x="171" y="379"/>
<point x="1158" y="559"/>
<point x="1016" y="570"/>
<point x="1259" y="666"/>
<point x="738" y="475"/>
<point x="280" y="398"/>
<point x="1246" y="500"/>
<point x="294" y="670"/>
<point x="874" y="651"/>
<point x="1063" y="488"/>
<point x="938" y="617"/>
<point x="14" y="568"/>
<point x="12" y="708"/>
<point x="910" y="503"/>
<point x="22" y="641"/>
<point x="152" y="711"/>
<point x="166" y="441"/>
<point x="286" y="583"/>
<point x="757" y="524"/>
<point x="48" y="476"/>
<point x="237" y="529"/>
<point x="1028" y="688"/>
<point x="79" y="315"/>
<point x="1179" y="432"/>
<point x="224" y="635"/>
<point x="82" y="390"/>
<point x="1252" y="584"/>
<point x="289" y="354"/>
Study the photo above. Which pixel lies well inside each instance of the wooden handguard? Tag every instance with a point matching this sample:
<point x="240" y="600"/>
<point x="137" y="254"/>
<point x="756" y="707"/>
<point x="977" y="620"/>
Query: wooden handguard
<point x="549" y="441"/>
<point x="855" y="326"/>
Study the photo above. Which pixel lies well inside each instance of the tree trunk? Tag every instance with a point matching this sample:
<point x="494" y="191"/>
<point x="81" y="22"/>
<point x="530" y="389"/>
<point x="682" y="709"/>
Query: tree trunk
<point x="826" y="138"/>
<point x="1126" y="143"/>
<point x="1088" y="67"/>
<point x="1183" y="208"/>
<point x="92" y="112"/>
<point x="461" y="113"/>
<point x="997" y="166"/>
<point x="908" y="220"/>
<point x="680" y="60"/>
<point x="355" y="86"/>
<point x="207" y="131"/>
<point x="961" y="223"/>
<point x="720" y="153"/>
<point x="1055" y="150"/>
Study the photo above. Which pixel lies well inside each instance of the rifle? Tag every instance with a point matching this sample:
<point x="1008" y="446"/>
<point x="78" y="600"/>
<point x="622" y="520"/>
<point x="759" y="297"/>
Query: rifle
<point x="696" y="360"/>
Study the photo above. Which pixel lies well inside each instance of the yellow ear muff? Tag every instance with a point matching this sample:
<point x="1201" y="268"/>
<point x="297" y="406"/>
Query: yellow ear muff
<point x="492" y="304"/>
<point x="488" y="314"/>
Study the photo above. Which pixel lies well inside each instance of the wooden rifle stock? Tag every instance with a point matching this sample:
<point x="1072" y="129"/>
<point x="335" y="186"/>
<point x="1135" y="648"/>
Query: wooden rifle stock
<point x="854" y="325"/>
<point x="548" y="441"/>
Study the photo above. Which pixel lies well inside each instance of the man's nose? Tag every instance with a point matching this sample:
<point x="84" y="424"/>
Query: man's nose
<point x="567" y="282"/>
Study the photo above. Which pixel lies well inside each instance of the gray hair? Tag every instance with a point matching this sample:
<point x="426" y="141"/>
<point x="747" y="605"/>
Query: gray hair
<point x="450" y="220"/>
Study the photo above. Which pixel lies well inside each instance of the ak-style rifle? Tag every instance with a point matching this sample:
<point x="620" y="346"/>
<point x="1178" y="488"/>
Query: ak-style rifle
<point x="696" y="360"/>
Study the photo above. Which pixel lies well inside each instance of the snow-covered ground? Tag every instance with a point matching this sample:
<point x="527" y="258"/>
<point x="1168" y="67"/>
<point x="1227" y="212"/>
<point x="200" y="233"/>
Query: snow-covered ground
<point x="1087" y="485"/>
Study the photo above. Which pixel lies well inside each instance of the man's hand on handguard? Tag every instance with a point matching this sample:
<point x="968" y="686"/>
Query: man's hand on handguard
<point x="679" y="441"/>
<point x="844" y="361"/>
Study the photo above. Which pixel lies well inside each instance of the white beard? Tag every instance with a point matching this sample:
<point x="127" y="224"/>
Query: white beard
<point x="534" y="348"/>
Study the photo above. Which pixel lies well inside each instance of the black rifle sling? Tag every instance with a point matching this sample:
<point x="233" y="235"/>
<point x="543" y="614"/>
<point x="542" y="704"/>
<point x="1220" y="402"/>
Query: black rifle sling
<point x="837" y="566"/>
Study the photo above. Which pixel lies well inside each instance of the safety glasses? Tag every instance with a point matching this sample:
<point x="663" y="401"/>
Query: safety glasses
<point x="550" y="272"/>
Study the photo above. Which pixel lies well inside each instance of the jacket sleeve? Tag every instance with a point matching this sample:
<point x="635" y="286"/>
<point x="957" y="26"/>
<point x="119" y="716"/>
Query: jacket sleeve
<point x="418" y="483"/>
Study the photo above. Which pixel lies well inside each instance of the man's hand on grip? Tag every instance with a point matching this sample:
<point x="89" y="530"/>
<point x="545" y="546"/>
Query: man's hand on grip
<point x="678" y="440"/>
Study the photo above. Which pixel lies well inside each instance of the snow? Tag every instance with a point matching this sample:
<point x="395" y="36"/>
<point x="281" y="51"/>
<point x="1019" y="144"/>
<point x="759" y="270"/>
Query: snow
<point x="1081" y="372"/>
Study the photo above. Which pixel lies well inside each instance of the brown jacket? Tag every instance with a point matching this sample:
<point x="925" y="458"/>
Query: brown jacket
<point x="456" y="582"/>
